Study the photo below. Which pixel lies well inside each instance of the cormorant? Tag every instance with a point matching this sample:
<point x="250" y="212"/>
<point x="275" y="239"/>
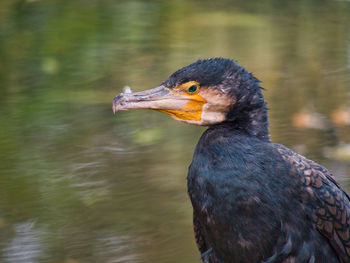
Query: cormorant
<point x="253" y="200"/>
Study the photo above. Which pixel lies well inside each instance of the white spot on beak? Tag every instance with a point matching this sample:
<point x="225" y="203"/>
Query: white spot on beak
<point x="127" y="90"/>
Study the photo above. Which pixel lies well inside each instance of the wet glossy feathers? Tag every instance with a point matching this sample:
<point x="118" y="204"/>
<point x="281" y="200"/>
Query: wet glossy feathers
<point x="330" y="203"/>
<point x="255" y="201"/>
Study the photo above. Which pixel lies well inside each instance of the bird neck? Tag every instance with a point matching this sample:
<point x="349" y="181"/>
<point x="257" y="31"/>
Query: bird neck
<point x="250" y="118"/>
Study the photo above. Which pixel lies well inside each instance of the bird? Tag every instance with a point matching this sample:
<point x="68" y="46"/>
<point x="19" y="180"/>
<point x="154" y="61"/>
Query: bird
<point x="253" y="200"/>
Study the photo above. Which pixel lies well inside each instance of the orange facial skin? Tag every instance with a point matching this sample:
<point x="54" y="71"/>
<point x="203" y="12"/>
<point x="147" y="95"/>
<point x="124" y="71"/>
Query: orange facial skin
<point x="191" y="110"/>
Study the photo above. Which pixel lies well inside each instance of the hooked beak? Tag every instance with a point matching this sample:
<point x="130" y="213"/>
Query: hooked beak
<point x="159" y="98"/>
<point x="178" y="104"/>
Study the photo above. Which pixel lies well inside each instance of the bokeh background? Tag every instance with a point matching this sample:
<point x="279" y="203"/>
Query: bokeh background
<point x="80" y="185"/>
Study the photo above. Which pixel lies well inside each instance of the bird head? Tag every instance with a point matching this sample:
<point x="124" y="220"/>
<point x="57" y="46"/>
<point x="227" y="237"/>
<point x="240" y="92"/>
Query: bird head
<point x="207" y="92"/>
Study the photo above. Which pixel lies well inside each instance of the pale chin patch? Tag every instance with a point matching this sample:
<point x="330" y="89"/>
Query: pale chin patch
<point x="214" y="111"/>
<point x="210" y="116"/>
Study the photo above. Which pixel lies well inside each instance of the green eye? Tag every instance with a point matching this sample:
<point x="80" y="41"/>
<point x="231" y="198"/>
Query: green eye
<point x="192" y="89"/>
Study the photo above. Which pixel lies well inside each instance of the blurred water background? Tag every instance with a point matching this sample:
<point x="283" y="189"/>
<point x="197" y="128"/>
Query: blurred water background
<point x="79" y="185"/>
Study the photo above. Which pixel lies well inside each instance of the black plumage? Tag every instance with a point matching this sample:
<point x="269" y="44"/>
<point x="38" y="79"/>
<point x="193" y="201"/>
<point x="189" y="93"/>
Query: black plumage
<point x="254" y="200"/>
